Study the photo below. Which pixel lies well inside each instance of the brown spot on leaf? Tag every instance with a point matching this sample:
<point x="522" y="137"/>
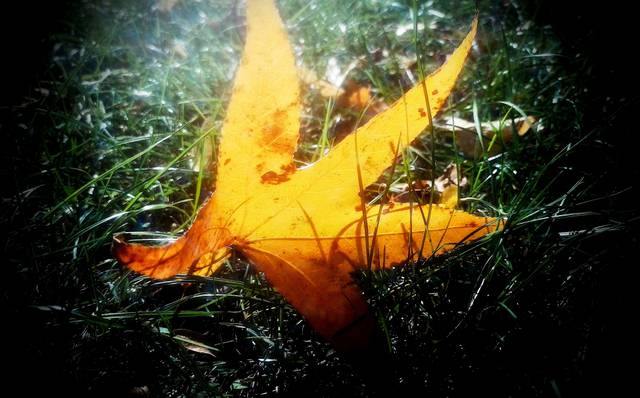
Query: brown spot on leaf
<point x="272" y="132"/>
<point x="288" y="168"/>
<point x="434" y="92"/>
<point x="271" y="177"/>
<point x="422" y="112"/>
<point x="226" y="161"/>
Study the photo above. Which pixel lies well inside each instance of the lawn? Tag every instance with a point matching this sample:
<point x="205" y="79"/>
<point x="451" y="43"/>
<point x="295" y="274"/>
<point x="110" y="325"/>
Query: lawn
<point x="112" y="129"/>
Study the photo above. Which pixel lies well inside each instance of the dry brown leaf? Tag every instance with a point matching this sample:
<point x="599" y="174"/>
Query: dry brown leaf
<point x="356" y="97"/>
<point x="448" y="184"/>
<point x="446" y="188"/>
<point x="467" y="139"/>
<point x="356" y="106"/>
<point x="306" y="229"/>
<point x="196" y="348"/>
<point x="325" y="88"/>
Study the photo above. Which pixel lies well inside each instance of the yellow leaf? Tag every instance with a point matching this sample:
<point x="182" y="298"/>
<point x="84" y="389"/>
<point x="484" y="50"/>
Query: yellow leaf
<point x="449" y="196"/>
<point x="306" y="229"/>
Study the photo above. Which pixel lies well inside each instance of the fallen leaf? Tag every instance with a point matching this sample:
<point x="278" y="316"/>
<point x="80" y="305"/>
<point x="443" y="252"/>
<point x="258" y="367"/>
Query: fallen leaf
<point x="449" y="196"/>
<point x="467" y="139"/>
<point x="445" y="186"/>
<point x="355" y="106"/>
<point x="403" y="192"/>
<point x="448" y="184"/>
<point x="194" y="346"/>
<point x="325" y="88"/>
<point x="308" y="230"/>
<point x="336" y="85"/>
<point x="356" y="97"/>
<point x="449" y="177"/>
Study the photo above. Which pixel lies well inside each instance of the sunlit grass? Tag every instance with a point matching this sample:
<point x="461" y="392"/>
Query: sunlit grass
<point x="119" y="145"/>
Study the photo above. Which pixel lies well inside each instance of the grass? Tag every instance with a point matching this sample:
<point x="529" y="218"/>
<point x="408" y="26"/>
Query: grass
<point x="109" y="141"/>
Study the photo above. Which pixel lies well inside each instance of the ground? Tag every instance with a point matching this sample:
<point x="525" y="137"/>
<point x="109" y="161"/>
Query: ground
<point x="102" y="120"/>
